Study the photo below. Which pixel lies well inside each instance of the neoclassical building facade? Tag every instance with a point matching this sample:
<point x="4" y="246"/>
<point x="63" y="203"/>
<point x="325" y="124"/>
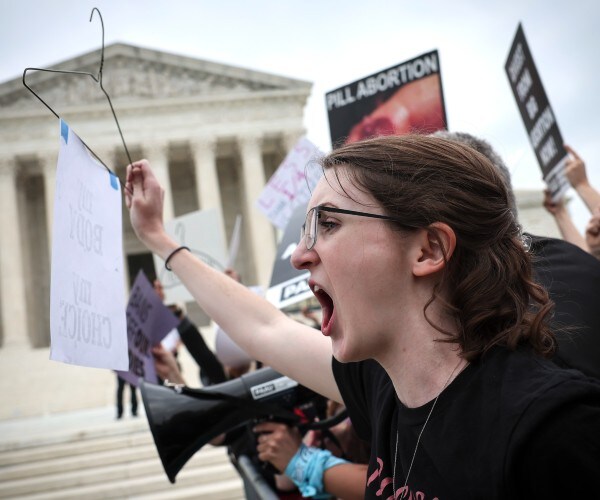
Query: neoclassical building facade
<point x="214" y="134"/>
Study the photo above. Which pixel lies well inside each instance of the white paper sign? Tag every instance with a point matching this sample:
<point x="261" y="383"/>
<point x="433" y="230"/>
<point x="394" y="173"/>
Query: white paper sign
<point x="202" y="232"/>
<point x="234" y="244"/>
<point x="291" y="184"/>
<point x="87" y="296"/>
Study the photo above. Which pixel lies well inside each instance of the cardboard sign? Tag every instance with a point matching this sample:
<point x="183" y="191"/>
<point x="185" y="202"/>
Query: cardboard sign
<point x="289" y="285"/>
<point x="405" y="98"/>
<point x="537" y="114"/>
<point x="202" y="232"/>
<point x="87" y="295"/>
<point x="291" y="184"/>
<point x="148" y="322"/>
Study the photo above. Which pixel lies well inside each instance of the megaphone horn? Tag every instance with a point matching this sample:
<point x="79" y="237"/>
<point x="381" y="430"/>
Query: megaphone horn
<point x="183" y="420"/>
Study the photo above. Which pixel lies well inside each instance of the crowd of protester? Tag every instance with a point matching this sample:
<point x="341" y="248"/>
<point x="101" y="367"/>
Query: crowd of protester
<point x="468" y="296"/>
<point x="576" y="174"/>
<point x="571" y="279"/>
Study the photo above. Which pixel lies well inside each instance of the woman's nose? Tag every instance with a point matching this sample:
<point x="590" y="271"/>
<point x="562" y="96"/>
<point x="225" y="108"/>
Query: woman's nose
<point x="302" y="258"/>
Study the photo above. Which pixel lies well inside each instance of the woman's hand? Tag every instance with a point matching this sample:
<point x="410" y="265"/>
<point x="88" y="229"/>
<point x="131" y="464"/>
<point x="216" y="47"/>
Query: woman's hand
<point x="144" y="199"/>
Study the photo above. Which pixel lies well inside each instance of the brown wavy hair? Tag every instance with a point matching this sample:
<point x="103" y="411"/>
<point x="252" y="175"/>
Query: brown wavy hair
<point x="487" y="283"/>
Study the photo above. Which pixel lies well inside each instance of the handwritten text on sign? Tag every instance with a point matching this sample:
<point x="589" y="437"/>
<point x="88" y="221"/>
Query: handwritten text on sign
<point x="87" y="299"/>
<point x="148" y="321"/>
<point x="291" y="184"/>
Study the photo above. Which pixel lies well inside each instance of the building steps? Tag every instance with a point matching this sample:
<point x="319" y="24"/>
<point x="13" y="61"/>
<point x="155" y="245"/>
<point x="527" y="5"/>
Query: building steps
<point x="105" y="460"/>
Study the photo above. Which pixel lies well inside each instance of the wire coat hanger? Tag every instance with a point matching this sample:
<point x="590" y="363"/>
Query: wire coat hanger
<point x="98" y="79"/>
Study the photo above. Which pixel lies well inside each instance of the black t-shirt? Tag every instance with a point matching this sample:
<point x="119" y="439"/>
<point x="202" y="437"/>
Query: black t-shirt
<point x="572" y="278"/>
<point x="509" y="426"/>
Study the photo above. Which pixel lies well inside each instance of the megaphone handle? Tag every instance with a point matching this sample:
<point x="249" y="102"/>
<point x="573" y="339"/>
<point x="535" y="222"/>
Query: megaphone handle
<point x="269" y="468"/>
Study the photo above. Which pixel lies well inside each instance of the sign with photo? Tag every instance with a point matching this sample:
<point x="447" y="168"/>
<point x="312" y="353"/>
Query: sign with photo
<point x="536" y="112"/>
<point x="405" y="98"/>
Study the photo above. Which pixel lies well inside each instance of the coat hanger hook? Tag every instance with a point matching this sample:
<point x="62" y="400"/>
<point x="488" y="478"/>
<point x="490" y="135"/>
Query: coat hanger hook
<point x="95" y="9"/>
<point x="98" y="79"/>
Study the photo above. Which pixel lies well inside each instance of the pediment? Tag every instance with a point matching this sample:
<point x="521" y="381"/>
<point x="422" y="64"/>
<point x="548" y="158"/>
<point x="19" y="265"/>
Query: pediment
<point x="136" y="74"/>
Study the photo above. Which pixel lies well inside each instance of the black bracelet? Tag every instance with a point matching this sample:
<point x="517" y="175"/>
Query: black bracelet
<point x="171" y="256"/>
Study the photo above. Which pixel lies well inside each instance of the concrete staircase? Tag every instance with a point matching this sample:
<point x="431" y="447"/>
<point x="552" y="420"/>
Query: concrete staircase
<point x="88" y="455"/>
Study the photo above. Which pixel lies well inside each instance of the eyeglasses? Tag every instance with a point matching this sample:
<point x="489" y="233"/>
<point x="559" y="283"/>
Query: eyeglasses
<point x="310" y="227"/>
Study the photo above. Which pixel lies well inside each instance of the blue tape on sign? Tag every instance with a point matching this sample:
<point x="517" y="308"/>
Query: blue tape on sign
<point x="114" y="182"/>
<point x="64" y="131"/>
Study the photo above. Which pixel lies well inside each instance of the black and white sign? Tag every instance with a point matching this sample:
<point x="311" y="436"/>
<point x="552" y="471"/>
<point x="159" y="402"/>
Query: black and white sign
<point x="537" y="114"/>
<point x="289" y="285"/>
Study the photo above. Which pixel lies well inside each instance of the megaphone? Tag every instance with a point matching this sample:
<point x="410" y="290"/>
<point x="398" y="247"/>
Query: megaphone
<point x="183" y="420"/>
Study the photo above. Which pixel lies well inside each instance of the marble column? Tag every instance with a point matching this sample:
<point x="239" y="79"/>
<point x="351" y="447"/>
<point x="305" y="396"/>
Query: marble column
<point x="260" y="231"/>
<point x="207" y="180"/>
<point x="158" y="156"/>
<point x="48" y="169"/>
<point x="12" y="281"/>
<point x="208" y="189"/>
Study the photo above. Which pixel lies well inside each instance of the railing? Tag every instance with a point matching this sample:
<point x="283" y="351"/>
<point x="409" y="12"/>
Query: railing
<point x="255" y="486"/>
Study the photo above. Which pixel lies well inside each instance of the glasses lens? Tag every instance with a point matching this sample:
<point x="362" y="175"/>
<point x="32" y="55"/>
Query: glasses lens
<point x="310" y="228"/>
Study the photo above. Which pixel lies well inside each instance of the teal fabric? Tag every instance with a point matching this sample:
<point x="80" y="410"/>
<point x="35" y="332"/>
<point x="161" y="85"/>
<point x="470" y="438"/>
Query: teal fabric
<point x="306" y="469"/>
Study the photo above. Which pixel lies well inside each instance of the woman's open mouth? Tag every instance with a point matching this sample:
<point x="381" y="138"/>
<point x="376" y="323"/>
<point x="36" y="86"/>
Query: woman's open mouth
<point x="326" y="306"/>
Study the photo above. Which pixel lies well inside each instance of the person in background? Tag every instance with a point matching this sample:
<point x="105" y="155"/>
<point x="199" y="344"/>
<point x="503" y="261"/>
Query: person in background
<point x="577" y="176"/>
<point x="592" y="234"/>
<point x="286" y="449"/>
<point x="565" y="223"/>
<point x="133" y="393"/>
<point x="210" y="369"/>
<point x="570" y="274"/>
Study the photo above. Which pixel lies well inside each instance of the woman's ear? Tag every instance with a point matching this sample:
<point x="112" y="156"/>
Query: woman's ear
<point x="438" y="242"/>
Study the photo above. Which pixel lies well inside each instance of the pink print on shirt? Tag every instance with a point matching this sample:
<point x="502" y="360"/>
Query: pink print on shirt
<point x="402" y="493"/>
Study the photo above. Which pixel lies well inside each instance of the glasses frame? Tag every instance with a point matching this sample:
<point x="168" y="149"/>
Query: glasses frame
<point x="321" y="208"/>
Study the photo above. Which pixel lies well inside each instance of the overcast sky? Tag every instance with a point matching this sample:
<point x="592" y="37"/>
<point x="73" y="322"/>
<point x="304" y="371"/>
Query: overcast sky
<point x="333" y="43"/>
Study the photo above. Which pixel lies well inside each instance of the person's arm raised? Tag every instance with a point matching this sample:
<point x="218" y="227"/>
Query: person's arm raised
<point x="592" y="233"/>
<point x="263" y="331"/>
<point x="565" y="223"/>
<point x="577" y="176"/>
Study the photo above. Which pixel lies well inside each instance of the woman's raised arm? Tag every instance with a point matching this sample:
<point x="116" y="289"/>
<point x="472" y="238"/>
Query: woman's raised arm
<point x="263" y="331"/>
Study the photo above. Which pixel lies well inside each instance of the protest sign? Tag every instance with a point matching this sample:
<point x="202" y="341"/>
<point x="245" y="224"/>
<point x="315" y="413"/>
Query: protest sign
<point x="148" y="321"/>
<point x="537" y="114"/>
<point x="234" y="243"/>
<point x="289" y="285"/>
<point x="291" y="184"/>
<point x="202" y="232"/>
<point x="87" y="296"/>
<point x="404" y="98"/>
